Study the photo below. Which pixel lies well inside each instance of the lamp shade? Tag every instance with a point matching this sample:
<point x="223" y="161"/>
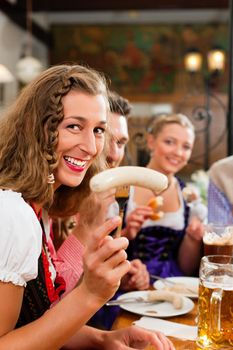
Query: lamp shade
<point x="216" y="60"/>
<point x="28" y="68"/>
<point x="193" y="61"/>
<point x="5" y="75"/>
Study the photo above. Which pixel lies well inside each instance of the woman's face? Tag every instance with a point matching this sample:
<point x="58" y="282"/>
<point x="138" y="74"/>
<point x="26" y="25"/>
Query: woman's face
<point x="172" y="148"/>
<point x="81" y="136"/>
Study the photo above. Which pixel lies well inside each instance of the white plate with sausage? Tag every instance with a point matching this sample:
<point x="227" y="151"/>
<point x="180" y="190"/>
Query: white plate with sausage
<point x="154" y="309"/>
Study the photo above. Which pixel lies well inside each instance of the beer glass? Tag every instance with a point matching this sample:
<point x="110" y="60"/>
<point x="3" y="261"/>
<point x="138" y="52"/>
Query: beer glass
<point x="215" y="303"/>
<point x="218" y="240"/>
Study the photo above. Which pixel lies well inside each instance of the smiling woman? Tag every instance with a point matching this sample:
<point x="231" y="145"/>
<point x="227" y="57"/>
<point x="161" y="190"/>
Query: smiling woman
<point x="56" y="129"/>
<point x="56" y="126"/>
<point x="169" y="245"/>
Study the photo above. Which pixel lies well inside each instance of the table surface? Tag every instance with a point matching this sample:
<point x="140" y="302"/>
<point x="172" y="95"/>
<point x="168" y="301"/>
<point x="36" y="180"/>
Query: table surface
<point x="126" y="318"/>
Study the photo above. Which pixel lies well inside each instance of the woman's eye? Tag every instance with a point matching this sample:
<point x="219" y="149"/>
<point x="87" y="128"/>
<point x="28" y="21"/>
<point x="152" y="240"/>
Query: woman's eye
<point x="74" y="127"/>
<point x="168" y="142"/>
<point x="187" y="147"/>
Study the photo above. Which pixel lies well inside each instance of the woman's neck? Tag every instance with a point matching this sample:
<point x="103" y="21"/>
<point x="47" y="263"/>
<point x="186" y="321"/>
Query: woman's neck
<point x="153" y="166"/>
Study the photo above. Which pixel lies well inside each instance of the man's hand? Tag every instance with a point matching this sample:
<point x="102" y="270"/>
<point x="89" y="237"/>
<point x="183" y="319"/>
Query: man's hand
<point x="92" y="214"/>
<point x="137" y="278"/>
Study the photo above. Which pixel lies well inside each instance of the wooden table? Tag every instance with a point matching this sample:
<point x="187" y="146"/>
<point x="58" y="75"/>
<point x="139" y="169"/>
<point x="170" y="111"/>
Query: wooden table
<point x="126" y="318"/>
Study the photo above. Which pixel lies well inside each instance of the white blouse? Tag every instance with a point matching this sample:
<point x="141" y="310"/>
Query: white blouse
<point x="20" y="239"/>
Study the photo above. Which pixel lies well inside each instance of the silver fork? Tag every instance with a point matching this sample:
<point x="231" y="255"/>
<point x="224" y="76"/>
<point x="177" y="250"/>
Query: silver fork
<point x="129" y="300"/>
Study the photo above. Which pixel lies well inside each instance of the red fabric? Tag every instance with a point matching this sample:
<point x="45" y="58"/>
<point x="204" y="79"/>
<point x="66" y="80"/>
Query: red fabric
<point x="55" y="289"/>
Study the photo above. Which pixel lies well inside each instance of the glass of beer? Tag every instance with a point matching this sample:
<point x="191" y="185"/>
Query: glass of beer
<point x="215" y="303"/>
<point x="218" y="240"/>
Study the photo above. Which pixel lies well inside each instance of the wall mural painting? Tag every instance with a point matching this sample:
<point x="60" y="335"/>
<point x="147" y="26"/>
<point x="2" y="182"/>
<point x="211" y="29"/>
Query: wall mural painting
<point x="138" y="59"/>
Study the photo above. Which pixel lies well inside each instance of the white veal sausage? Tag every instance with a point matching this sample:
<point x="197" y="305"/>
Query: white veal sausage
<point x="129" y="175"/>
<point x="174" y="298"/>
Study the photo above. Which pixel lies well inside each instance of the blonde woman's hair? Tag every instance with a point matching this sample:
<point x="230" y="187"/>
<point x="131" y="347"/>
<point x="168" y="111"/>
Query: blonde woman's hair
<point x="29" y="134"/>
<point x="159" y="122"/>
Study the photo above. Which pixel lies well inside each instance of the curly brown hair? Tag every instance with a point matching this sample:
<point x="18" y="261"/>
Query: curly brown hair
<point x="29" y="133"/>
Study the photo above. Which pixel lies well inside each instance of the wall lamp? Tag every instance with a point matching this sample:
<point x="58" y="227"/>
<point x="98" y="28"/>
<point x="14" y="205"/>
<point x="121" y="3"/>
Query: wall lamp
<point x="193" y="64"/>
<point x="193" y="60"/>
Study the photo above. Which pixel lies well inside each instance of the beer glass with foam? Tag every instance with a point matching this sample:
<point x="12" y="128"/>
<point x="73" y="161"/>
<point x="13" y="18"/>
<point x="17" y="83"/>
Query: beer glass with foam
<point x="218" y="240"/>
<point x="215" y="303"/>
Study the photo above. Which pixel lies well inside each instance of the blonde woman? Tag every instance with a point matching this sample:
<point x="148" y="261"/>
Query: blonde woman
<point x="171" y="245"/>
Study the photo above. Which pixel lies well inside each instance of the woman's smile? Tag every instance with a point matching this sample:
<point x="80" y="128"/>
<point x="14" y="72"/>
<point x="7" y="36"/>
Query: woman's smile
<point x="75" y="164"/>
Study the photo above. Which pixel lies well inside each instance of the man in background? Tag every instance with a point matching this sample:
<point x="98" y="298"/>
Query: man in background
<point x="220" y="194"/>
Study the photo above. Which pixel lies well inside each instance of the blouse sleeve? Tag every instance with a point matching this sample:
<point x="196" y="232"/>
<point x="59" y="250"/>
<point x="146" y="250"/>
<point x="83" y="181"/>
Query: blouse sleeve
<point x="21" y="239"/>
<point x="219" y="207"/>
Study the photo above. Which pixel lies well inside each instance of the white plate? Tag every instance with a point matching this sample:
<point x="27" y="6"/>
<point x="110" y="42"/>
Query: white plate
<point x="163" y="309"/>
<point x="189" y="282"/>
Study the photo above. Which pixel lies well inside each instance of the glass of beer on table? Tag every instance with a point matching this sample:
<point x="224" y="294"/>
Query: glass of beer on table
<point x="215" y="303"/>
<point x="218" y="239"/>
